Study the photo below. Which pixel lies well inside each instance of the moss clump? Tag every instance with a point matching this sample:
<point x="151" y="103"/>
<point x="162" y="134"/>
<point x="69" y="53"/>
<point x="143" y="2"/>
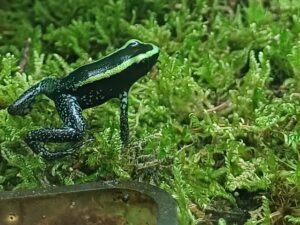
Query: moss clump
<point x="216" y="124"/>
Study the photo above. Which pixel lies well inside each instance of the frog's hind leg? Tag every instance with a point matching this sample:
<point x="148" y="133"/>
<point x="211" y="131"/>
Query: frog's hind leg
<point x="73" y="130"/>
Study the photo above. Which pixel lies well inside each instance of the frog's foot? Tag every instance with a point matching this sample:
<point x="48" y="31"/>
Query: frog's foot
<point x="35" y="138"/>
<point x="23" y="104"/>
<point x="21" y="110"/>
<point x="41" y="150"/>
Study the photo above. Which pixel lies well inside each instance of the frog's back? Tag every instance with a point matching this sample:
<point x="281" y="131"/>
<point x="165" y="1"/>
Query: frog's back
<point x="85" y="74"/>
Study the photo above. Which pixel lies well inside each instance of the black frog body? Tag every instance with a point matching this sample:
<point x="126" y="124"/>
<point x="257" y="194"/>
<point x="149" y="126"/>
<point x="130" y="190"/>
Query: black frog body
<point x="87" y="86"/>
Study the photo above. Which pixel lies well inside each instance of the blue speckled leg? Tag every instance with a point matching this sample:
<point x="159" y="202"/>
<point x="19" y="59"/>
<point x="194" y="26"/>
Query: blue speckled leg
<point x="124" y="130"/>
<point x="73" y="130"/>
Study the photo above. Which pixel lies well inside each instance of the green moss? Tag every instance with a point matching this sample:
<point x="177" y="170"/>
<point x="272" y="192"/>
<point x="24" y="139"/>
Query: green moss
<point x="216" y="123"/>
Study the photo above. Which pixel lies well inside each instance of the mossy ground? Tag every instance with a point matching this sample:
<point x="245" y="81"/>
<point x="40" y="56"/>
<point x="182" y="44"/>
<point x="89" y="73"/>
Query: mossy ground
<point x="216" y="123"/>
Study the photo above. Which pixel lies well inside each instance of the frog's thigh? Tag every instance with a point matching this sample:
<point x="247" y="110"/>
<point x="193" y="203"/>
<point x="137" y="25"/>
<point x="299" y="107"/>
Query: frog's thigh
<point x="74" y="126"/>
<point x="70" y="112"/>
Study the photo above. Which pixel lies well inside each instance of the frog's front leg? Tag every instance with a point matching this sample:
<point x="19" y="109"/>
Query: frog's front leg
<point x="124" y="130"/>
<point x="73" y="130"/>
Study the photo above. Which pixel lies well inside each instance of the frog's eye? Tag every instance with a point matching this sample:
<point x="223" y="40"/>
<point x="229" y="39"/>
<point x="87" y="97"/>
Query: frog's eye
<point x="133" y="44"/>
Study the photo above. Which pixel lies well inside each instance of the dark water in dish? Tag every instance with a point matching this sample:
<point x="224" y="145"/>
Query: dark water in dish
<point x="112" y="207"/>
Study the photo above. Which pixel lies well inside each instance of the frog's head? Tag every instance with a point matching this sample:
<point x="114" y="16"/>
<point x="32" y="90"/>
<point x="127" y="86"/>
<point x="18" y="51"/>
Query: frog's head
<point x="138" y="57"/>
<point x="143" y="55"/>
<point x="127" y="64"/>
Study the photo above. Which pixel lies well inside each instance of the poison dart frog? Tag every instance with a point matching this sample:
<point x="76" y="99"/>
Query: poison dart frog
<point x="87" y="86"/>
